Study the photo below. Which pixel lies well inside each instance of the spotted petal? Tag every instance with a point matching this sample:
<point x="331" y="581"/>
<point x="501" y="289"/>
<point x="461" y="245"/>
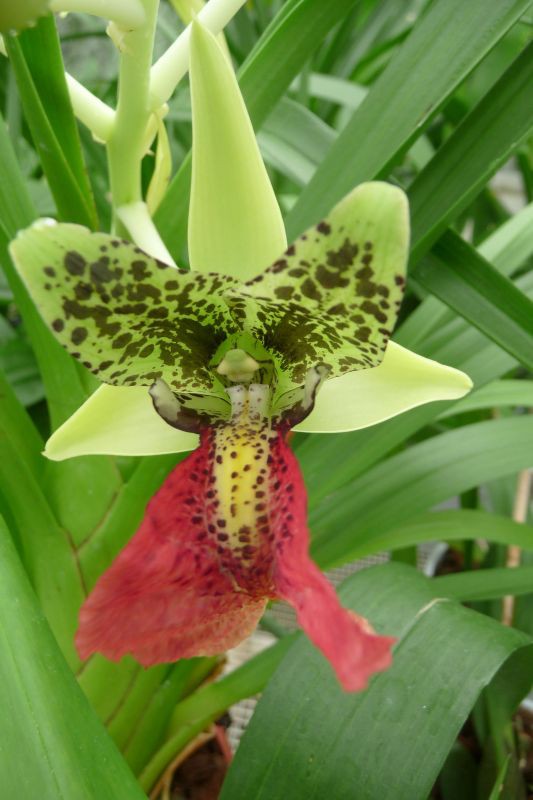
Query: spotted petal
<point x="334" y="295"/>
<point x="129" y="318"/>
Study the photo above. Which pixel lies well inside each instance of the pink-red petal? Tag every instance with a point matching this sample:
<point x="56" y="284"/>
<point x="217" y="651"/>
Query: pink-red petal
<point x="347" y="640"/>
<point x="164" y="597"/>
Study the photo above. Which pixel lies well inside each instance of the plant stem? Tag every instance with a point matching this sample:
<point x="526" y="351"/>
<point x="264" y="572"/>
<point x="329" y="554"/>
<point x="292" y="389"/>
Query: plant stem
<point x="129" y="14"/>
<point x="520" y="509"/>
<point x="126" y="143"/>
<point x="89" y="109"/>
<point x="172" y="66"/>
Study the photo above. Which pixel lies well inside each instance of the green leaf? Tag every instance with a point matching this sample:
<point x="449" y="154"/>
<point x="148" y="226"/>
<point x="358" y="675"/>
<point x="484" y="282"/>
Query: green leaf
<point x="123" y="517"/>
<point x="17" y="425"/>
<point x="445" y="45"/>
<point x="235" y="225"/>
<point x="506" y="248"/>
<point x="42" y="541"/>
<point x="64" y="390"/>
<point x="200" y="709"/>
<point x="309" y="739"/>
<point x="415" y="480"/>
<point x="35" y="57"/>
<point x="494" y="395"/>
<point x="18" y="363"/>
<point x="456" y="274"/>
<point x="51" y="737"/>
<point x="487" y="584"/>
<point x="149" y="732"/>
<point x="281" y="52"/>
<point x="331" y="461"/>
<point x="478" y="147"/>
<point x="437" y="526"/>
<point x="335" y="90"/>
<point x="129" y="318"/>
<point x="293" y="140"/>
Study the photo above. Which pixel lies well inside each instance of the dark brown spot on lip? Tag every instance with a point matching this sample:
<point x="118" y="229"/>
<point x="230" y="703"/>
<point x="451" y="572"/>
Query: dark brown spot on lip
<point x="324" y="228"/>
<point x="50" y="271"/>
<point x="58" y="325"/>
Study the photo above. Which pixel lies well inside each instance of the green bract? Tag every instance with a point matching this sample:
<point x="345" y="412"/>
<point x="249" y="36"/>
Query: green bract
<point x="325" y="307"/>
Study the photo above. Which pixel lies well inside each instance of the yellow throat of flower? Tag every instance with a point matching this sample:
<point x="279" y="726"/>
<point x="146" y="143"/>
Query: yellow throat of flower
<point x="240" y="468"/>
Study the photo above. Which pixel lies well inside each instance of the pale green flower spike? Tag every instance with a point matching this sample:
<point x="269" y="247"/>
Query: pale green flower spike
<point x="15" y="15"/>
<point x="319" y="317"/>
<point x="235" y="225"/>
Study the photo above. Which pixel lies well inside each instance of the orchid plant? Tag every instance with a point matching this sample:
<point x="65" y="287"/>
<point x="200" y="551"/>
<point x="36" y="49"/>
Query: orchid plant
<point x="230" y="393"/>
<point x="238" y="351"/>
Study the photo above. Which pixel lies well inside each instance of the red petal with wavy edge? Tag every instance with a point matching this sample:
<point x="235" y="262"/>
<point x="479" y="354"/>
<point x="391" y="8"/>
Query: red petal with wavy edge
<point x="164" y="597"/>
<point x="226" y="532"/>
<point x="348" y="641"/>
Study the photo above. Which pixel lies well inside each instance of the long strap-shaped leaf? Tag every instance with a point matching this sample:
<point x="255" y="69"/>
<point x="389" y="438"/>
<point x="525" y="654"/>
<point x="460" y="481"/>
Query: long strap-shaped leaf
<point x="415" y="480"/>
<point x="54" y="747"/>
<point x="49" y="115"/>
<point x="310" y="740"/>
<point x="455" y="273"/>
<point x="478" y="147"/>
<point x="446" y="44"/>
<point x="64" y="390"/>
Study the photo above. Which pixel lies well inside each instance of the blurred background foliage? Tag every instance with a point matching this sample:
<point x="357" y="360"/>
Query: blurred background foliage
<point x="434" y="95"/>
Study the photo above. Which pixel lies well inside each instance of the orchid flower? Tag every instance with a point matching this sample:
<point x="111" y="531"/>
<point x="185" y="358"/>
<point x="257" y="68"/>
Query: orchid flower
<point x="235" y="352"/>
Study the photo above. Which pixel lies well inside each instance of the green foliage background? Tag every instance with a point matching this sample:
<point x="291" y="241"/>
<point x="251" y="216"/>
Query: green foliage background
<point x="434" y="95"/>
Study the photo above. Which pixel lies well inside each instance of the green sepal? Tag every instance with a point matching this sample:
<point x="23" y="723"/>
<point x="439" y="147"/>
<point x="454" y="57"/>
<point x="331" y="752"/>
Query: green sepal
<point x="235" y="224"/>
<point x="129" y="318"/>
<point x="333" y="296"/>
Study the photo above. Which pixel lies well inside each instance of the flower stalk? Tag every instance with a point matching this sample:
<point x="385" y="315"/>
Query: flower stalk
<point x="128" y="14"/>
<point x="125" y="145"/>
<point x="168" y="71"/>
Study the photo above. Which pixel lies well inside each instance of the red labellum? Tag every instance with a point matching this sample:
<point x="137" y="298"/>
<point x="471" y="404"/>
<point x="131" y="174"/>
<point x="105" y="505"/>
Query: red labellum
<point x="225" y="533"/>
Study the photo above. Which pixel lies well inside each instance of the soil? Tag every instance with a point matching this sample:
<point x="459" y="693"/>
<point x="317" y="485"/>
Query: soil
<point x="202" y="774"/>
